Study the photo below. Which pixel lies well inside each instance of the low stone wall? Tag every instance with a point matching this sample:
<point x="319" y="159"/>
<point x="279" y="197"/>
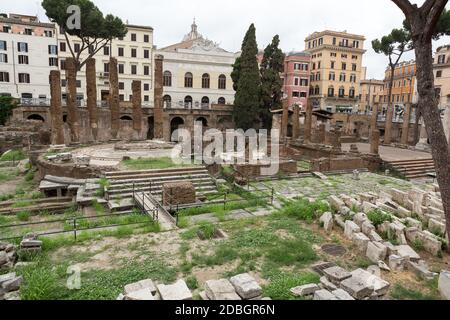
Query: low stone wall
<point x="178" y="193"/>
<point x="372" y="163"/>
<point x="254" y="170"/>
<point x="68" y="170"/>
<point x="314" y="151"/>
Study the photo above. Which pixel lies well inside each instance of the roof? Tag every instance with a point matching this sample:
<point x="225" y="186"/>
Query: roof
<point x="334" y="33"/>
<point x="139" y="27"/>
<point x="27" y="23"/>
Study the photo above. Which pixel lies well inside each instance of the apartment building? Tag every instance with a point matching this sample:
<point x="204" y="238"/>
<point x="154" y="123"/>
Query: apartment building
<point x="404" y="83"/>
<point x="371" y="91"/>
<point x="197" y="73"/>
<point x="336" y="67"/>
<point x="134" y="53"/>
<point x="441" y="67"/>
<point x="296" y="78"/>
<point x="28" y="51"/>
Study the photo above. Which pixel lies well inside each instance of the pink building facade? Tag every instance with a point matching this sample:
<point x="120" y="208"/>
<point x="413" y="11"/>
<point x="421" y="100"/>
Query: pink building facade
<point x="296" y="78"/>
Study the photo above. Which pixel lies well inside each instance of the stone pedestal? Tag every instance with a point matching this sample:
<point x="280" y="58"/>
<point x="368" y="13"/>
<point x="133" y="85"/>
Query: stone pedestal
<point x="91" y="90"/>
<point x="296" y="123"/>
<point x="423" y="140"/>
<point x="158" y="98"/>
<point x="114" y="97"/>
<point x="72" y="114"/>
<point x="137" y="107"/>
<point x="321" y="134"/>
<point x="375" y="142"/>
<point x="405" y="128"/>
<point x="374" y="119"/>
<point x="178" y="193"/>
<point x="55" y="108"/>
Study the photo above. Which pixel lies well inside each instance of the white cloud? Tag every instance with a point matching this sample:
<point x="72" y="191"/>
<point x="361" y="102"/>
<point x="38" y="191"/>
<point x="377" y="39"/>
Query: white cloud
<point x="227" y="21"/>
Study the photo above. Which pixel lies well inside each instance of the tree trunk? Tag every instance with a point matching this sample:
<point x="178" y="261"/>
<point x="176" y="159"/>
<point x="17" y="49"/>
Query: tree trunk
<point x="390" y="111"/>
<point x="431" y="115"/>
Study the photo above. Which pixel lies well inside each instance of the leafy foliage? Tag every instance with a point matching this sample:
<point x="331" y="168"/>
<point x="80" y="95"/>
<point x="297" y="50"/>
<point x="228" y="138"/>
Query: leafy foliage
<point x="378" y="217"/>
<point x="7" y="104"/>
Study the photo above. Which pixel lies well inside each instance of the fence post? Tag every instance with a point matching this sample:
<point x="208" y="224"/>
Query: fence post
<point x="273" y="191"/>
<point x="75" y="228"/>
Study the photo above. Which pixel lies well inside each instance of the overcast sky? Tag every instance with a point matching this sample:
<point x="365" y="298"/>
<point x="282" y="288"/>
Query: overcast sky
<point x="226" y="21"/>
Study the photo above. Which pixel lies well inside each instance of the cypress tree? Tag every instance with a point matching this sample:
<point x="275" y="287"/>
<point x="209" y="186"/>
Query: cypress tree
<point x="247" y="84"/>
<point x="271" y="84"/>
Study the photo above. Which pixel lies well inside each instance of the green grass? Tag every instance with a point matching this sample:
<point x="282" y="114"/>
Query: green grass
<point x="281" y="283"/>
<point x="22" y="204"/>
<point x="207" y="230"/>
<point x="8" y="175"/>
<point x="304" y="210"/>
<point x="400" y="292"/>
<point x="23" y="216"/>
<point x="150" y="163"/>
<point x="378" y="217"/>
<point x="15" y="155"/>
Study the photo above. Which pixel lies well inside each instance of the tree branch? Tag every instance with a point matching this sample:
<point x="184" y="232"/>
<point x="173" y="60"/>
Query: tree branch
<point x="405" y="6"/>
<point x="433" y="14"/>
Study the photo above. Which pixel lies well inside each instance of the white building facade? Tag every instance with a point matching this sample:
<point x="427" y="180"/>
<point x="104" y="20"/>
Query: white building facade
<point x="28" y="52"/>
<point x="197" y="73"/>
<point x="134" y="54"/>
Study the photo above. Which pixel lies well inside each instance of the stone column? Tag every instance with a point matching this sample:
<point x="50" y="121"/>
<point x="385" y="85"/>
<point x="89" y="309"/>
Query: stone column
<point x="308" y="122"/>
<point x="375" y="141"/>
<point x="321" y="133"/>
<point x="55" y="107"/>
<point x="296" y="123"/>
<point x="285" y="121"/>
<point x="137" y="106"/>
<point x="91" y="90"/>
<point x="388" y="126"/>
<point x="405" y="128"/>
<point x="336" y="140"/>
<point x="158" y="97"/>
<point x="72" y="108"/>
<point x="114" y="97"/>
<point x="374" y="119"/>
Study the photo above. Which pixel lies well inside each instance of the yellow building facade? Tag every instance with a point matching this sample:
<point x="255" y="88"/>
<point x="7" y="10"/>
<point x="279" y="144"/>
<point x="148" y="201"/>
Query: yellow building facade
<point x="371" y="92"/>
<point x="336" y="70"/>
<point x="404" y="83"/>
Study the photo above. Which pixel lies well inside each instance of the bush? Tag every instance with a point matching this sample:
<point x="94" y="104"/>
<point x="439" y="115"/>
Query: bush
<point x="23" y="216"/>
<point x="305" y="210"/>
<point x="13" y="155"/>
<point x="206" y="230"/>
<point x="378" y="217"/>
<point x="192" y="282"/>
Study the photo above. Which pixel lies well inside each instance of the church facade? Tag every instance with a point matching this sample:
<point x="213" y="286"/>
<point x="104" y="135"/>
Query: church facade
<point x="197" y="73"/>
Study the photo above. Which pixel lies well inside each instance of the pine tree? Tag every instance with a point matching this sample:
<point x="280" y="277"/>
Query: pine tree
<point x="247" y="84"/>
<point x="271" y="84"/>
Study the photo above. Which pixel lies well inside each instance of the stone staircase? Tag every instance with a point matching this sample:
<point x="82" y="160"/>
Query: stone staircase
<point x="414" y="169"/>
<point x="122" y="184"/>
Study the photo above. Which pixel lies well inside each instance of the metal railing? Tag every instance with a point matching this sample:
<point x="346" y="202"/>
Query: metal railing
<point x="143" y="207"/>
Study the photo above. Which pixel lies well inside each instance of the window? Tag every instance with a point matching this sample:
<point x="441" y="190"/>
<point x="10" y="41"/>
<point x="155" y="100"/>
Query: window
<point x="167" y="79"/>
<point x="314" y="66"/>
<point x="355" y="44"/>
<point x="221" y="100"/>
<point x="121" y="97"/>
<point x="205" y="81"/>
<point x="133" y="53"/>
<point x="3" y="57"/>
<point x="167" y="101"/>
<point x="4" y="77"/>
<point x="78" y="84"/>
<point x="318" y="76"/>
<point x="28" y="32"/>
<point x="320" y="41"/>
<point x="63" y="65"/>
<point x="53" y="62"/>
<point x="106" y="51"/>
<point x="439" y="74"/>
<point x="205" y="102"/>
<point x="146" y="70"/>
<point x="146" y="87"/>
<point x="317" y="90"/>
<point x="6" y="29"/>
<point x="23" y="59"/>
<point x="133" y="69"/>
<point x="332" y="76"/>
<point x="22" y="47"/>
<point x="24" y="78"/>
<point x="303" y="82"/>
<point x="354" y="57"/>
<point x="146" y="38"/>
<point x="441" y="59"/>
<point x="53" y="49"/>
<point x="344" y="56"/>
<point x="342" y="77"/>
<point x="222" y="82"/>
<point x="331" y="91"/>
<point x="62" y="47"/>
<point x="48" y="33"/>
<point x="319" y="64"/>
<point x="188" y="80"/>
<point x="341" y="92"/>
<point x="332" y="64"/>
<point x="334" y="41"/>
<point x="296" y="81"/>
<point x="146" y="98"/>
<point x="121" y="86"/>
<point x="133" y="37"/>
<point x="187" y="101"/>
<point x="344" y="66"/>
<point x="121" y="68"/>
<point x="120" y="53"/>
<point x="296" y="94"/>
<point x="76" y="47"/>
<point x="303" y="94"/>
<point x="351" y="93"/>
<point x="353" y="78"/>
<point x="106" y="67"/>
<point x="354" y="66"/>
<point x="3" y="45"/>
<point x="146" y="53"/>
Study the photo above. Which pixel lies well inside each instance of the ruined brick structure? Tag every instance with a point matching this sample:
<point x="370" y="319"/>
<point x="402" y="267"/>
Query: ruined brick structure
<point x="158" y="98"/>
<point x="296" y="123"/>
<point x="55" y="108"/>
<point x="72" y="117"/>
<point x="178" y="193"/>
<point x="91" y="89"/>
<point x="114" y="97"/>
<point x="137" y="107"/>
